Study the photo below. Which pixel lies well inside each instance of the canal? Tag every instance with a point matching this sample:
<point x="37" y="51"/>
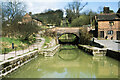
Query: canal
<point x="68" y="63"/>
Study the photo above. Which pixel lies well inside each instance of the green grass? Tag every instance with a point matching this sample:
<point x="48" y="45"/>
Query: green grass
<point x="7" y="43"/>
<point x="47" y="40"/>
<point x="11" y="40"/>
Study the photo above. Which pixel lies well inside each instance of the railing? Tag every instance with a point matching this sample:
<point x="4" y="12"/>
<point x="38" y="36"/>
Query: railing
<point x="6" y="55"/>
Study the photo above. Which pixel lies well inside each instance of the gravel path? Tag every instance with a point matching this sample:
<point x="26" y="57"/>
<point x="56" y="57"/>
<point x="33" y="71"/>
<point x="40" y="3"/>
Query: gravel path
<point x="36" y="45"/>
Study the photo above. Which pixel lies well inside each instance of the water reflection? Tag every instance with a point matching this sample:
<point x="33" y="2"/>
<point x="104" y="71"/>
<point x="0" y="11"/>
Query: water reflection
<point x="78" y="65"/>
<point x="68" y="54"/>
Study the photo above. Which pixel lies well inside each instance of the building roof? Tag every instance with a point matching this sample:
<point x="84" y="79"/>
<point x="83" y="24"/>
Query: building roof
<point x="118" y="10"/>
<point x="108" y="17"/>
<point x="27" y="15"/>
<point x="36" y="19"/>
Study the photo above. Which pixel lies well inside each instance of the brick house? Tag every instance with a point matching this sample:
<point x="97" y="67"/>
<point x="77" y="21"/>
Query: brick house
<point x="107" y="25"/>
<point x="28" y="18"/>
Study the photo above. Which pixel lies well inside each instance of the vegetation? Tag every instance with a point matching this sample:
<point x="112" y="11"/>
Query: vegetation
<point x="67" y="38"/>
<point x="85" y="37"/>
<point x="47" y="40"/>
<point x="12" y="10"/>
<point x="12" y="13"/>
<point x="73" y="10"/>
<point x="7" y="43"/>
<point x="24" y="32"/>
<point x="50" y="17"/>
<point x="82" y="20"/>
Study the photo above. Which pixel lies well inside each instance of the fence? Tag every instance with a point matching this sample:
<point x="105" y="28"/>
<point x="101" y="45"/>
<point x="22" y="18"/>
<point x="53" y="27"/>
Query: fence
<point x="6" y="55"/>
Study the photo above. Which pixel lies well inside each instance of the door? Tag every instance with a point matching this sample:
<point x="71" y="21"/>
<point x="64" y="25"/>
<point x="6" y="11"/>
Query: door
<point x="118" y="35"/>
<point x="101" y="34"/>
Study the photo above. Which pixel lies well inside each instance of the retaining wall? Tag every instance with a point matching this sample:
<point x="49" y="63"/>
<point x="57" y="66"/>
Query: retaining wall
<point x="113" y="54"/>
<point x="8" y="66"/>
<point x="95" y="51"/>
<point x="49" y="52"/>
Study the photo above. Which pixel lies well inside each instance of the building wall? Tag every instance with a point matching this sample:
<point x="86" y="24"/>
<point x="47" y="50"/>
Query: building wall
<point x="27" y="18"/>
<point x="37" y="22"/>
<point x="105" y="26"/>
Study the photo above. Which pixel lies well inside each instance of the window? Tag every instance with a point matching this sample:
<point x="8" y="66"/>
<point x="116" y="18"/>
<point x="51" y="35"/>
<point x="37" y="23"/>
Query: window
<point x="111" y="23"/>
<point x="110" y="32"/>
<point x="102" y="34"/>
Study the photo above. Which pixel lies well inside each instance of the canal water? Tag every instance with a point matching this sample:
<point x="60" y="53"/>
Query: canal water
<point x="68" y="63"/>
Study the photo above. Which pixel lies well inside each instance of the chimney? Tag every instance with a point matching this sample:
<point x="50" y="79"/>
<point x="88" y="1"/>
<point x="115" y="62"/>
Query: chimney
<point x="30" y="13"/>
<point x="106" y="9"/>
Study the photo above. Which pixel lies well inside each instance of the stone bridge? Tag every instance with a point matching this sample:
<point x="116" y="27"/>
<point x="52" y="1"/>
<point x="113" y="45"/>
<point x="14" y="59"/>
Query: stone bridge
<point x="65" y="30"/>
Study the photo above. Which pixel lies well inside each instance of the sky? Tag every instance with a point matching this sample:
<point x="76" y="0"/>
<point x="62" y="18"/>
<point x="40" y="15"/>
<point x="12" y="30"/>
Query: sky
<point x="38" y="6"/>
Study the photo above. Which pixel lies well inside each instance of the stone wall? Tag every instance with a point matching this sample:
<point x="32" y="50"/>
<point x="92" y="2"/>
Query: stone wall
<point x="8" y="66"/>
<point x="49" y="52"/>
<point x="113" y="54"/>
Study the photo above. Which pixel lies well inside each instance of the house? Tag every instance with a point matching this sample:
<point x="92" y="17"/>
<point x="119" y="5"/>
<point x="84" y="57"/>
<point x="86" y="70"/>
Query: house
<point x="107" y="25"/>
<point x="28" y="18"/>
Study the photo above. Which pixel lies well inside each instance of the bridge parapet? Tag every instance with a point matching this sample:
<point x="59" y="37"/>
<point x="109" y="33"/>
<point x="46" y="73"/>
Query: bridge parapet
<point x="64" y="30"/>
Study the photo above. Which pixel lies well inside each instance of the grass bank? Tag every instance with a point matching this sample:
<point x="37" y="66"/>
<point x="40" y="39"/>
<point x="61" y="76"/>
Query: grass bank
<point x="7" y="43"/>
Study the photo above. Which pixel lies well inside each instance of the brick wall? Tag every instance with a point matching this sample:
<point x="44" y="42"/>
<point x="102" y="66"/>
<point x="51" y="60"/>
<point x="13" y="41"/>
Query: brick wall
<point x="105" y="26"/>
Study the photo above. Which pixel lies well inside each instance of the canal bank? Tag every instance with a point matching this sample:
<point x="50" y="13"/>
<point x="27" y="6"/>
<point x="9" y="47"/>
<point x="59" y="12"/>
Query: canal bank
<point x="113" y="48"/>
<point x="63" y="54"/>
<point x="96" y="51"/>
<point x="16" y="62"/>
<point x="9" y="66"/>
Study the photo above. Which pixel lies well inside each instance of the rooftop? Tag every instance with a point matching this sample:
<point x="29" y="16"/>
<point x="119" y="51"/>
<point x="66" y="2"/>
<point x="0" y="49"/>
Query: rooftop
<point x="108" y="17"/>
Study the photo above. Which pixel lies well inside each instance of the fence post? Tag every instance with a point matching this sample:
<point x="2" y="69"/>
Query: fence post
<point x="23" y="50"/>
<point x="28" y="48"/>
<point x="33" y="46"/>
<point x="15" y="51"/>
<point x="4" y="52"/>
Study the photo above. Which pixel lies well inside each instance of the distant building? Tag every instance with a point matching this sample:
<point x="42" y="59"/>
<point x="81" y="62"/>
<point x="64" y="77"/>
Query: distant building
<point x="108" y="25"/>
<point x="28" y="18"/>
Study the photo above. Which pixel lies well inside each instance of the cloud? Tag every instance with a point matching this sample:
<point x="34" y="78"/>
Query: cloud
<point x="37" y="7"/>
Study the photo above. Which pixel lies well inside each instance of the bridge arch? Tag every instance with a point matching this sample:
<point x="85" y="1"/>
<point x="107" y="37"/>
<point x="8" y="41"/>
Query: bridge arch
<point x="73" y="41"/>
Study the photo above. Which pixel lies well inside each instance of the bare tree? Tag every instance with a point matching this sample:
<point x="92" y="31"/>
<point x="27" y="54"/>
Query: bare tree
<point x="12" y="10"/>
<point x="73" y="10"/>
